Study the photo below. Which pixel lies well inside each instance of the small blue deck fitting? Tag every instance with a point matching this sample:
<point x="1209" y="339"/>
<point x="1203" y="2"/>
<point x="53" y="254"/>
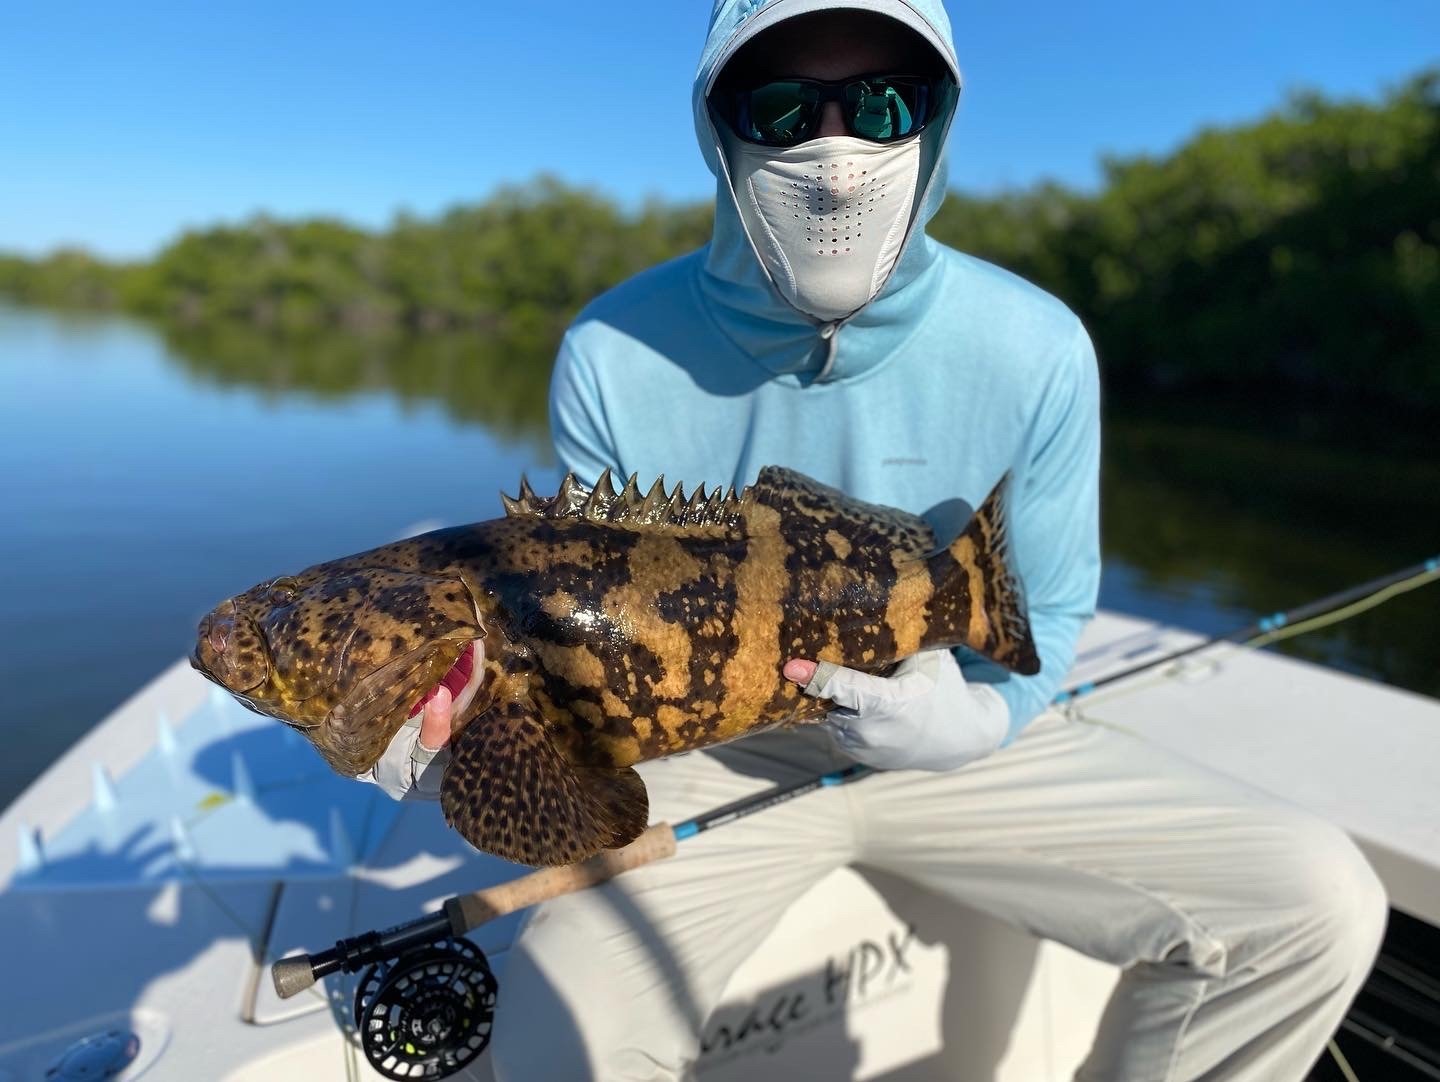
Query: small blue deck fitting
<point x="101" y="1055"/>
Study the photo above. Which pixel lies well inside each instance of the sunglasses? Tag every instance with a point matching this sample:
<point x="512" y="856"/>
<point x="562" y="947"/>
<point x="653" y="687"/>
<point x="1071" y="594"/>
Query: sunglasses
<point x="784" y="112"/>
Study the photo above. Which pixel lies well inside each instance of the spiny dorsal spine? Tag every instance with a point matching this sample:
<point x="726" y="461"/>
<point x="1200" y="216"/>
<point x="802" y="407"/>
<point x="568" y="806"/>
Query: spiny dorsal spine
<point x="628" y="507"/>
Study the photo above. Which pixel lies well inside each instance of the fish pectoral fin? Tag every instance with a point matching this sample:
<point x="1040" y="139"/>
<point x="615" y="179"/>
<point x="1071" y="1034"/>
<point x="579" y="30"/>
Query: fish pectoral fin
<point x="808" y="711"/>
<point x="510" y="791"/>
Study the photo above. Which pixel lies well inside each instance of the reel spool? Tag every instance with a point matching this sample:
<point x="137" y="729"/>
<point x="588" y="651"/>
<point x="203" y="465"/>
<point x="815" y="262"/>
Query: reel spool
<point x="427" y="1014"/>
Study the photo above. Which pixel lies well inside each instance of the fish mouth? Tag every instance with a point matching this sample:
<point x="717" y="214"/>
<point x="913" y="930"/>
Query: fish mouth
<point x="462" y="681"/>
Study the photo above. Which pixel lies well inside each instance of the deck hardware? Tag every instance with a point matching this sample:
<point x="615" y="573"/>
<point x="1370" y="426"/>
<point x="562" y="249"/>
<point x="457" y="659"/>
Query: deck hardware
<point x="99" y="1056"/>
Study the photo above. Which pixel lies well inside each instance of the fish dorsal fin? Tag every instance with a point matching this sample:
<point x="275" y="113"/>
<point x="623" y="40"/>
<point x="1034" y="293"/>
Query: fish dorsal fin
<point x="805" y="503"/>
<point x="509" y="790"/>
<point x="629" y="507"/>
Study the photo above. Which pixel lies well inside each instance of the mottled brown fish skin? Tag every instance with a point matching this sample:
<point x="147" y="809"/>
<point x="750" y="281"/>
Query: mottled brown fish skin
<point x="649" y="642"/>
<point x="617" y="628"/>
<point x="333" y="650"/>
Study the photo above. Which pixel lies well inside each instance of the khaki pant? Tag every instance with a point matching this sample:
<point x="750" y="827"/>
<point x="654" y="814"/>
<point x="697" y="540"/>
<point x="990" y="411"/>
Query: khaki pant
<point x="1244" y="926"/>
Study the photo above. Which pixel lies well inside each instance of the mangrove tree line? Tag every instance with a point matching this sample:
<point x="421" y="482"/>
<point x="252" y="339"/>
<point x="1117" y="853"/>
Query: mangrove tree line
<point x="1299" y="251"/>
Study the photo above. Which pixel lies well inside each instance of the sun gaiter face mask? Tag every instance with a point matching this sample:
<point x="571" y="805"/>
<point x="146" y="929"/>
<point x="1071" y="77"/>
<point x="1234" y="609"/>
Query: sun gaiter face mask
<point x="827" y="217"/>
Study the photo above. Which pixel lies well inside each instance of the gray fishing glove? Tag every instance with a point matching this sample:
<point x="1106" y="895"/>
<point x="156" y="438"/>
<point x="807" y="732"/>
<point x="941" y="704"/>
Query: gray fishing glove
<point x="924" y="716"/>
<point x="408" y="769"/>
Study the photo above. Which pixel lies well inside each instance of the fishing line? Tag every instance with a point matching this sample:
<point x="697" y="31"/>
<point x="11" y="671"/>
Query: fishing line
<point x="1312" y="616"/>
<point x="1424" y="578"/>
<point x="1364" y="596"/>
<point x="1341" y="1061"/>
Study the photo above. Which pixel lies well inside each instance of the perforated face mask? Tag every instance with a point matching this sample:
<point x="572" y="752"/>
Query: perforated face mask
<point x="828" y="217"/>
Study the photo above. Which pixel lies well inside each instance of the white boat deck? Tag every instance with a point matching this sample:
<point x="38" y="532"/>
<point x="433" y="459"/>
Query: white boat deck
<point x="148" y="878"/>
<point x="1360" y="754"/>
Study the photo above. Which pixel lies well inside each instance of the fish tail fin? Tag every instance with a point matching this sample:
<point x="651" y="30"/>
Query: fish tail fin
<point x="977" y="600"/>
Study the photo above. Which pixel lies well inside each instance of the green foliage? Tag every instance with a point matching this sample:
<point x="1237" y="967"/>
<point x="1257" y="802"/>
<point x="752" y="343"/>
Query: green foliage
<point x="525" y="260"/>
<point x="292" y="275"/>
<point x="478" y="377"/>
<point x="66" y="278"/>
<point x="1302" y="251"/>
<point x="1225" y="505"/>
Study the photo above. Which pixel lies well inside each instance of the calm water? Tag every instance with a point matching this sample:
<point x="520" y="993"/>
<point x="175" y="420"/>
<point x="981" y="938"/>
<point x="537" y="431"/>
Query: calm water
<point x="142" y="479"/>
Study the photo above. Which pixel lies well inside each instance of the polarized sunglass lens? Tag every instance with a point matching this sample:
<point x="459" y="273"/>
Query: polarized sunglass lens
<point x="886" y="109"/>
<point x="782" y="113"/>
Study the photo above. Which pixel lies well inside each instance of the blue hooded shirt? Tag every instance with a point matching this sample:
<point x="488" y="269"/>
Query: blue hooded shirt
<point x="954" y="375"/>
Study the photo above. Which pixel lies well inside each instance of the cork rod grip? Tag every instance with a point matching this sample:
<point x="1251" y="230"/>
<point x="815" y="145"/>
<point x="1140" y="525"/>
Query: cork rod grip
<point x="472" y="910"/>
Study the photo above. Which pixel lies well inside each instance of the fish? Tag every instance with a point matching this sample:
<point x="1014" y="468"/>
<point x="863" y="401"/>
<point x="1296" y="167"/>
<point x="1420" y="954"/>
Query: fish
<point x="595" y="629"/>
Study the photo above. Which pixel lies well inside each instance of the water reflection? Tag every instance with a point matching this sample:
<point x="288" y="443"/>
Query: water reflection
<point x="490" y="380"/>
<point x="1215" y="512"/>
<point x="1218" y="512"/>
<point x="141" y="483"/>
<point x="149" y="473"/>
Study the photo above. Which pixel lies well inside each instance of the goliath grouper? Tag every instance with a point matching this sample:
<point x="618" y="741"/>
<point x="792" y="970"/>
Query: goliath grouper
<point x="594" y="630"/>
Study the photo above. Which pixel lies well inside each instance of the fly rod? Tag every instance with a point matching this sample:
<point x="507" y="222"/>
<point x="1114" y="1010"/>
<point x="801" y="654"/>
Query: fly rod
<point x="1274" y="626"/>
<point x="465" y="912"/>
<point x="425" y="1004"/>
<point x="422" y="976"/>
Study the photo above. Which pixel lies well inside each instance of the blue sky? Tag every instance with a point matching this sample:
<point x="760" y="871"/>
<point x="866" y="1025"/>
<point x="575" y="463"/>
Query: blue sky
<point x="120" y="124"/>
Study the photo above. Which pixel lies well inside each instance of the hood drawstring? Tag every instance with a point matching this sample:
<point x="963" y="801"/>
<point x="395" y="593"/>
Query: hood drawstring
<point x="830" y="335"/>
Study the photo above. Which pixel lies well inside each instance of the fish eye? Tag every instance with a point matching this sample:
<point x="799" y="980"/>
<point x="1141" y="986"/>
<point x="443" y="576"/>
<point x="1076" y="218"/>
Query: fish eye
<point x="282" y="591"/>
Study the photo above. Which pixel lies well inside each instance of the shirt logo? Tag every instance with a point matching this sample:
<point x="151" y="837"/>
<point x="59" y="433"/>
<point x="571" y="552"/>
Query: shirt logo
<point x="901" y="460"/>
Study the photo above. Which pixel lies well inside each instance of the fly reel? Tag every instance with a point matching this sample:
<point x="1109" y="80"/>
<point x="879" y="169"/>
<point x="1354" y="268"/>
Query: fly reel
<point x="427" y="1014"/>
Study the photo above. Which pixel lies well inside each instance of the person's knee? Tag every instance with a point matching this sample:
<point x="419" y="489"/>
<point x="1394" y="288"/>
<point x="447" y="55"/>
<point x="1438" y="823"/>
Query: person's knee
<point x="1336" y="909"/>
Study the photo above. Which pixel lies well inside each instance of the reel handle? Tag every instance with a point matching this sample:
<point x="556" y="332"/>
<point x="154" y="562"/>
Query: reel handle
<point x="469" y="911"/>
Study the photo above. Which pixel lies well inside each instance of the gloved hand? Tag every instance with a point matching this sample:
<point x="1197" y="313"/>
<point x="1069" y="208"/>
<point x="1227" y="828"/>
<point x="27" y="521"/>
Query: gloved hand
<point x="413" y="764"/>
<point x="922" y="717"/>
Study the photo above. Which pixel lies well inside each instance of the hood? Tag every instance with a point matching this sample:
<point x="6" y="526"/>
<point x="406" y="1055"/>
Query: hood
<point x="747" y="306"/>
